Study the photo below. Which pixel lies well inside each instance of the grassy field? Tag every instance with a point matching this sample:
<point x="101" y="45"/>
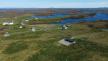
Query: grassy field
<point x="24" y="45"/>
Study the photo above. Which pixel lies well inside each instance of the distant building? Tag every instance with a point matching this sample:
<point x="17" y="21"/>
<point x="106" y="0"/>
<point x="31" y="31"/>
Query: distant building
<point x="26" y="20"/>
<point x="64" y="27"/>
<point x="8" y="23"/>
<point x="21" y="27"/>
<point x="33" y="29"/>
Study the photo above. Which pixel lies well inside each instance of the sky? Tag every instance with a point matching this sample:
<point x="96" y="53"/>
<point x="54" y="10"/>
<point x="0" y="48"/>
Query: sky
<point x="53" y="3"/>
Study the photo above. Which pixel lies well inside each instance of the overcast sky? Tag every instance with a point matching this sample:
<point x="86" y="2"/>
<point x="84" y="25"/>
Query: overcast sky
<point x="53" y="3"/>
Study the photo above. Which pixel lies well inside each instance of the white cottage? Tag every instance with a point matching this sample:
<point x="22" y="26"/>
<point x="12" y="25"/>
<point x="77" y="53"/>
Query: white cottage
<point x="8" y="23"/>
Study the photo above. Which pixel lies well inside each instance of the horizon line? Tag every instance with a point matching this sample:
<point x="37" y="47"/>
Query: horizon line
<point x="49" y="7"/>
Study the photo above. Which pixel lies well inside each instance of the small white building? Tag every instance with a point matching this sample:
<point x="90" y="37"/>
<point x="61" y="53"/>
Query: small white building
<point x="8" y="23"/>
<point x="26" y="20"/>
<point x="65" y="27"/>
<point x="33" y="29"/>
<point x="20" y="27"/>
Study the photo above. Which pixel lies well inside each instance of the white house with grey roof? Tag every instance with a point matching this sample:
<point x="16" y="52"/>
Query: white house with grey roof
<point x="8" y="23"/>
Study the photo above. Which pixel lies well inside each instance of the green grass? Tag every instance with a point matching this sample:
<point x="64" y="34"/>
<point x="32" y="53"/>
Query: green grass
<point x="43" y="45"/>
<point x="15" y="47"/>
<point x="77" y="52"/>
<point x="23" y="35"/>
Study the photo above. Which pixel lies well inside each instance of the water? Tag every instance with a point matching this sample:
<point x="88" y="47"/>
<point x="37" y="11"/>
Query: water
<point x="98" y="16"/>
<point x="51" y="16"/>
